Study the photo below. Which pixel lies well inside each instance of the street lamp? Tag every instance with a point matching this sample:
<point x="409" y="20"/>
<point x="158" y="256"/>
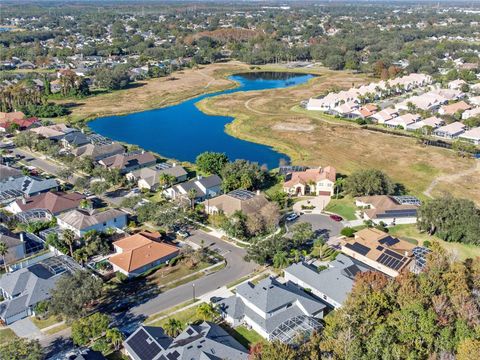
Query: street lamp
<point x="193" y="288"/>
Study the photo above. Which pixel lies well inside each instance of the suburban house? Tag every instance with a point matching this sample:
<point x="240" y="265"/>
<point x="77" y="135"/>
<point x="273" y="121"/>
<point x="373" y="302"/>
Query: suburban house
<point x="237" y="200"/>
<point x="74" y="139"/>
<point x="452" y="109"/>
<point x="126" y="163"/>
<point x="379" y="250"/>
<point x="21" y="123"/>
<point x="456" y="84"/>
<point x="386" y="114"/>
<point x="389" y="209"/>
<point x="81" y="221"/>
<point x="24" y="186"/>
<point x="7" y="172"/>
<point x="205" y="341"/>
<point x="432" y="122"/>
<point x="140" y="252"/>
<point x="331" y="285"/>
<point x="10" y="116"/>
<point x="471" y="113"/>
<point x="472" y="135"/>
<point x="26" y="287"/>
<point x="150" y="178"/>
<point x="277" y="311"/>
<point x="366" y="111"/>
<point x="53" y="132"/>
<point x="15" y="245"/>
<point x="98" y="151"/>
<point x="317" y="181"/>
<point x="403" y="121"/>
<point x="54" y="202"/>
<point x="202" y="187"/>
<point x="450" y="131"/>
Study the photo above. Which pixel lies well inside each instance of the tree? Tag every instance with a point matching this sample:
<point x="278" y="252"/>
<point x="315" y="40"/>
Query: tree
<point x="211" y="162"/>
<point x="468" y="349"/>
<point x="90" y="328"/>
<point x="3" y="253"/>
<point x="280" y="260"/>
<point x="26" y="139"/>
<point x="274" y="350"/>
<point x="192" y="195"/>
<point x="68" y="237"/>
<point x="172" y="327"/>
<point x="21" y="349"/>
<point x="115" y="337"/>
<point x="206" y="311"/>
<point x="74" y="294"/>
<point x="347" y="231"/>
<point x="369" y="182"/>
<point x="451" y="219"/>
<point x="322" y="251"/>
<point x="302" y="233"/>
<point x="242" y="174"/>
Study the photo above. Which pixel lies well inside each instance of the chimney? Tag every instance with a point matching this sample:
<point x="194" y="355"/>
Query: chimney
<point x="406" y="253"/>
<point x="21" y="237"/>
<point x="24" y="201"/>
<point x="258" y="192"/>
<point x="174" y="164"/>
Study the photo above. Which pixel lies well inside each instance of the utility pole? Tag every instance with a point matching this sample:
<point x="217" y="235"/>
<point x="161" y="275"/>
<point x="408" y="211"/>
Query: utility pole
<point x="193" y="288"/>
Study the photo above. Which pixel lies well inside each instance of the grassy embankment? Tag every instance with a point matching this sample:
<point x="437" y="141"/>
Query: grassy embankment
<point x="274" y="118"/>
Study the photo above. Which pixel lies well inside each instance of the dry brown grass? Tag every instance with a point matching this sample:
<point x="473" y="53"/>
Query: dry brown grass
<point x="467" y="186"/>
<point x="273" y="117"/>
<point x="157" y="93"/>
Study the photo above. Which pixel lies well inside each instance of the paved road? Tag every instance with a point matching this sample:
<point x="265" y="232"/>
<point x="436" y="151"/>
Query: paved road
<point x="43" y="164"/>
<point x="236" y="268"/>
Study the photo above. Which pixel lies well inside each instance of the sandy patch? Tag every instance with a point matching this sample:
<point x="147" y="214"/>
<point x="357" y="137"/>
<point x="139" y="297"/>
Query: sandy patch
<point x="293" y="127"/>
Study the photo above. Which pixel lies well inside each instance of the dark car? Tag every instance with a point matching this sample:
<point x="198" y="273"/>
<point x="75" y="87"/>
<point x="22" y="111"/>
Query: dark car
<point x="336" y="218"/>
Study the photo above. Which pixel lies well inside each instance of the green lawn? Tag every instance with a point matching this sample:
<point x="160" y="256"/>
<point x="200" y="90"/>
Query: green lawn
<point x="43" y="323"/>
<point x="186" y="316"/>
<point x="6" y="335"/>
<point x="244" y="336"/>
<point x="344" y="207"/>
<point x="410" y="233"/>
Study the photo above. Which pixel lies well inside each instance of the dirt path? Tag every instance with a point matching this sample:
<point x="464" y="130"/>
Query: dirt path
<point x="451" y="178"/>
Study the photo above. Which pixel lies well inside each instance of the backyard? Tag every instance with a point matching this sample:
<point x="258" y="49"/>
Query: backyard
<point x="6" y="335"/>
<point x="410" y="233"/>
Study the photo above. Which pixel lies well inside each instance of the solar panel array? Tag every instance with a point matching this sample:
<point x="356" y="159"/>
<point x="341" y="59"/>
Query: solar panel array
<point x="97" y="139"/>
<point x="359" y="248"/>
<point x="420" y="253"/>
<point x="284" y="170"/>
<point x="163" y="166"/>
<point x="10" y="194"/>
<point x="142" y="345"/>
<point x="407" y="200"/>
<point x="392" y="259"/>
<point x="389" y="241"/>
<point x="241" y="194"/>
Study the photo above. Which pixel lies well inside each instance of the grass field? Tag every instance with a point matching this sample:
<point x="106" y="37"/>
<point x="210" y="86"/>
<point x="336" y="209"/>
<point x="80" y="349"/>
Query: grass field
<point x="6" y="335"/>
<point x="274" y="118"/>
<point x="410" y="232"/>
<point x="344" y="207"/>
<point x="44" y="323"/>
<point x="186" y="316"/>
<point x="245" y="336"/>
<point x="156" y="93"/>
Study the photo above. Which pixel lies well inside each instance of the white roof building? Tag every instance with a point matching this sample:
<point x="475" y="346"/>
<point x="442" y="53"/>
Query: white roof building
<point x="472" y="135"/>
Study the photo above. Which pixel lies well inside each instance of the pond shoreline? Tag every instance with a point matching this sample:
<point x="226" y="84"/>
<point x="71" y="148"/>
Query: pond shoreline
<point x="183" y="120"/>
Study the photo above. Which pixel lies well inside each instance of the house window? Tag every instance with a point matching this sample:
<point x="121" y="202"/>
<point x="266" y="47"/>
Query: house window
<point x="104" y="224"/>
<point x="115" y="220"/>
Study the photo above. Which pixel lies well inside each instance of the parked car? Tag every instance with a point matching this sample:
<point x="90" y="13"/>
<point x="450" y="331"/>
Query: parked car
<point x="336" y="218"/>
<point x="182" y="233"/>
<point x="292" y="216"/>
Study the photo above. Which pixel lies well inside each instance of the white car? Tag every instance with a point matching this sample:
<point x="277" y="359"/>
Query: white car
<point x="292" y="216"/>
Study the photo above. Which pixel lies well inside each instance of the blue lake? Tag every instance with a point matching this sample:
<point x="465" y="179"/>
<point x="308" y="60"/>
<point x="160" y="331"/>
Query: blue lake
<point x="182" y="131"/>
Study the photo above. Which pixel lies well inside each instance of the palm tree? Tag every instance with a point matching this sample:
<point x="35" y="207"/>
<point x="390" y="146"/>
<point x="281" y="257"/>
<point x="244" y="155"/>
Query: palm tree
<point x="68" y="237"/>
<point x="280" y="260"/>
<point x="192" y="194"/>
<point x="206" y="311"/>
<point x="296" y="255"/>
<point x="80" y="256"/>
<point x="115" y="336"/>
<point x="322" y="251"/>
<point x="172" y="327"/>
<point x="3" y="253"/>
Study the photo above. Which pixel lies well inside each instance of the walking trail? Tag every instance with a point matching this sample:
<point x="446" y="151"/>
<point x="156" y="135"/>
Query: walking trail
<point x="451" y="178"/>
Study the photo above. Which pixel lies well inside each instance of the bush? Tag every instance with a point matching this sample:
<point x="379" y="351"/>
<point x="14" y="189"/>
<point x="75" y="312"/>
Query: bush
<point x="347" y="231"/>
<point x="427" y="244"/>
<point x="121" y="276"/>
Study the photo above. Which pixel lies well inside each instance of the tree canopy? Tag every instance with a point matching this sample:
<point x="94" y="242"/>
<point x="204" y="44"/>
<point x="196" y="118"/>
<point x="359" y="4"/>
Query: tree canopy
<point x="369" y="182"/>
<point x="21" y="349"/>
<point x="211" y="162"/>
<point x="242" y="174"/>
<point x="451" y="219"/>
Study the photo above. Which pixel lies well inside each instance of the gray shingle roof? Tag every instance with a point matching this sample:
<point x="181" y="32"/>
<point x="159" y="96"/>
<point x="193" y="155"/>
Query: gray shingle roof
<point x="9" y="172"/>
<point x="28" y="185"/>
<point x="335" y="282"/>
<point x="81" y="219"/>
<point x="208" y="182"/>
<point x="206" y="341"/>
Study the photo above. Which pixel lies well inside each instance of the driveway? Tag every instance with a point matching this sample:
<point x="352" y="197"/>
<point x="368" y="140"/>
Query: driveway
<point x="321" y="224"/>
<point x="319" y="202"/>
<point x="25" y="328"/>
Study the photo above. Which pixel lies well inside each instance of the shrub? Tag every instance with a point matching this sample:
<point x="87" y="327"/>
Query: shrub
<point x="427" y="244"/>
<point x="347" y="231"/>
<point x="121" y="276"/>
